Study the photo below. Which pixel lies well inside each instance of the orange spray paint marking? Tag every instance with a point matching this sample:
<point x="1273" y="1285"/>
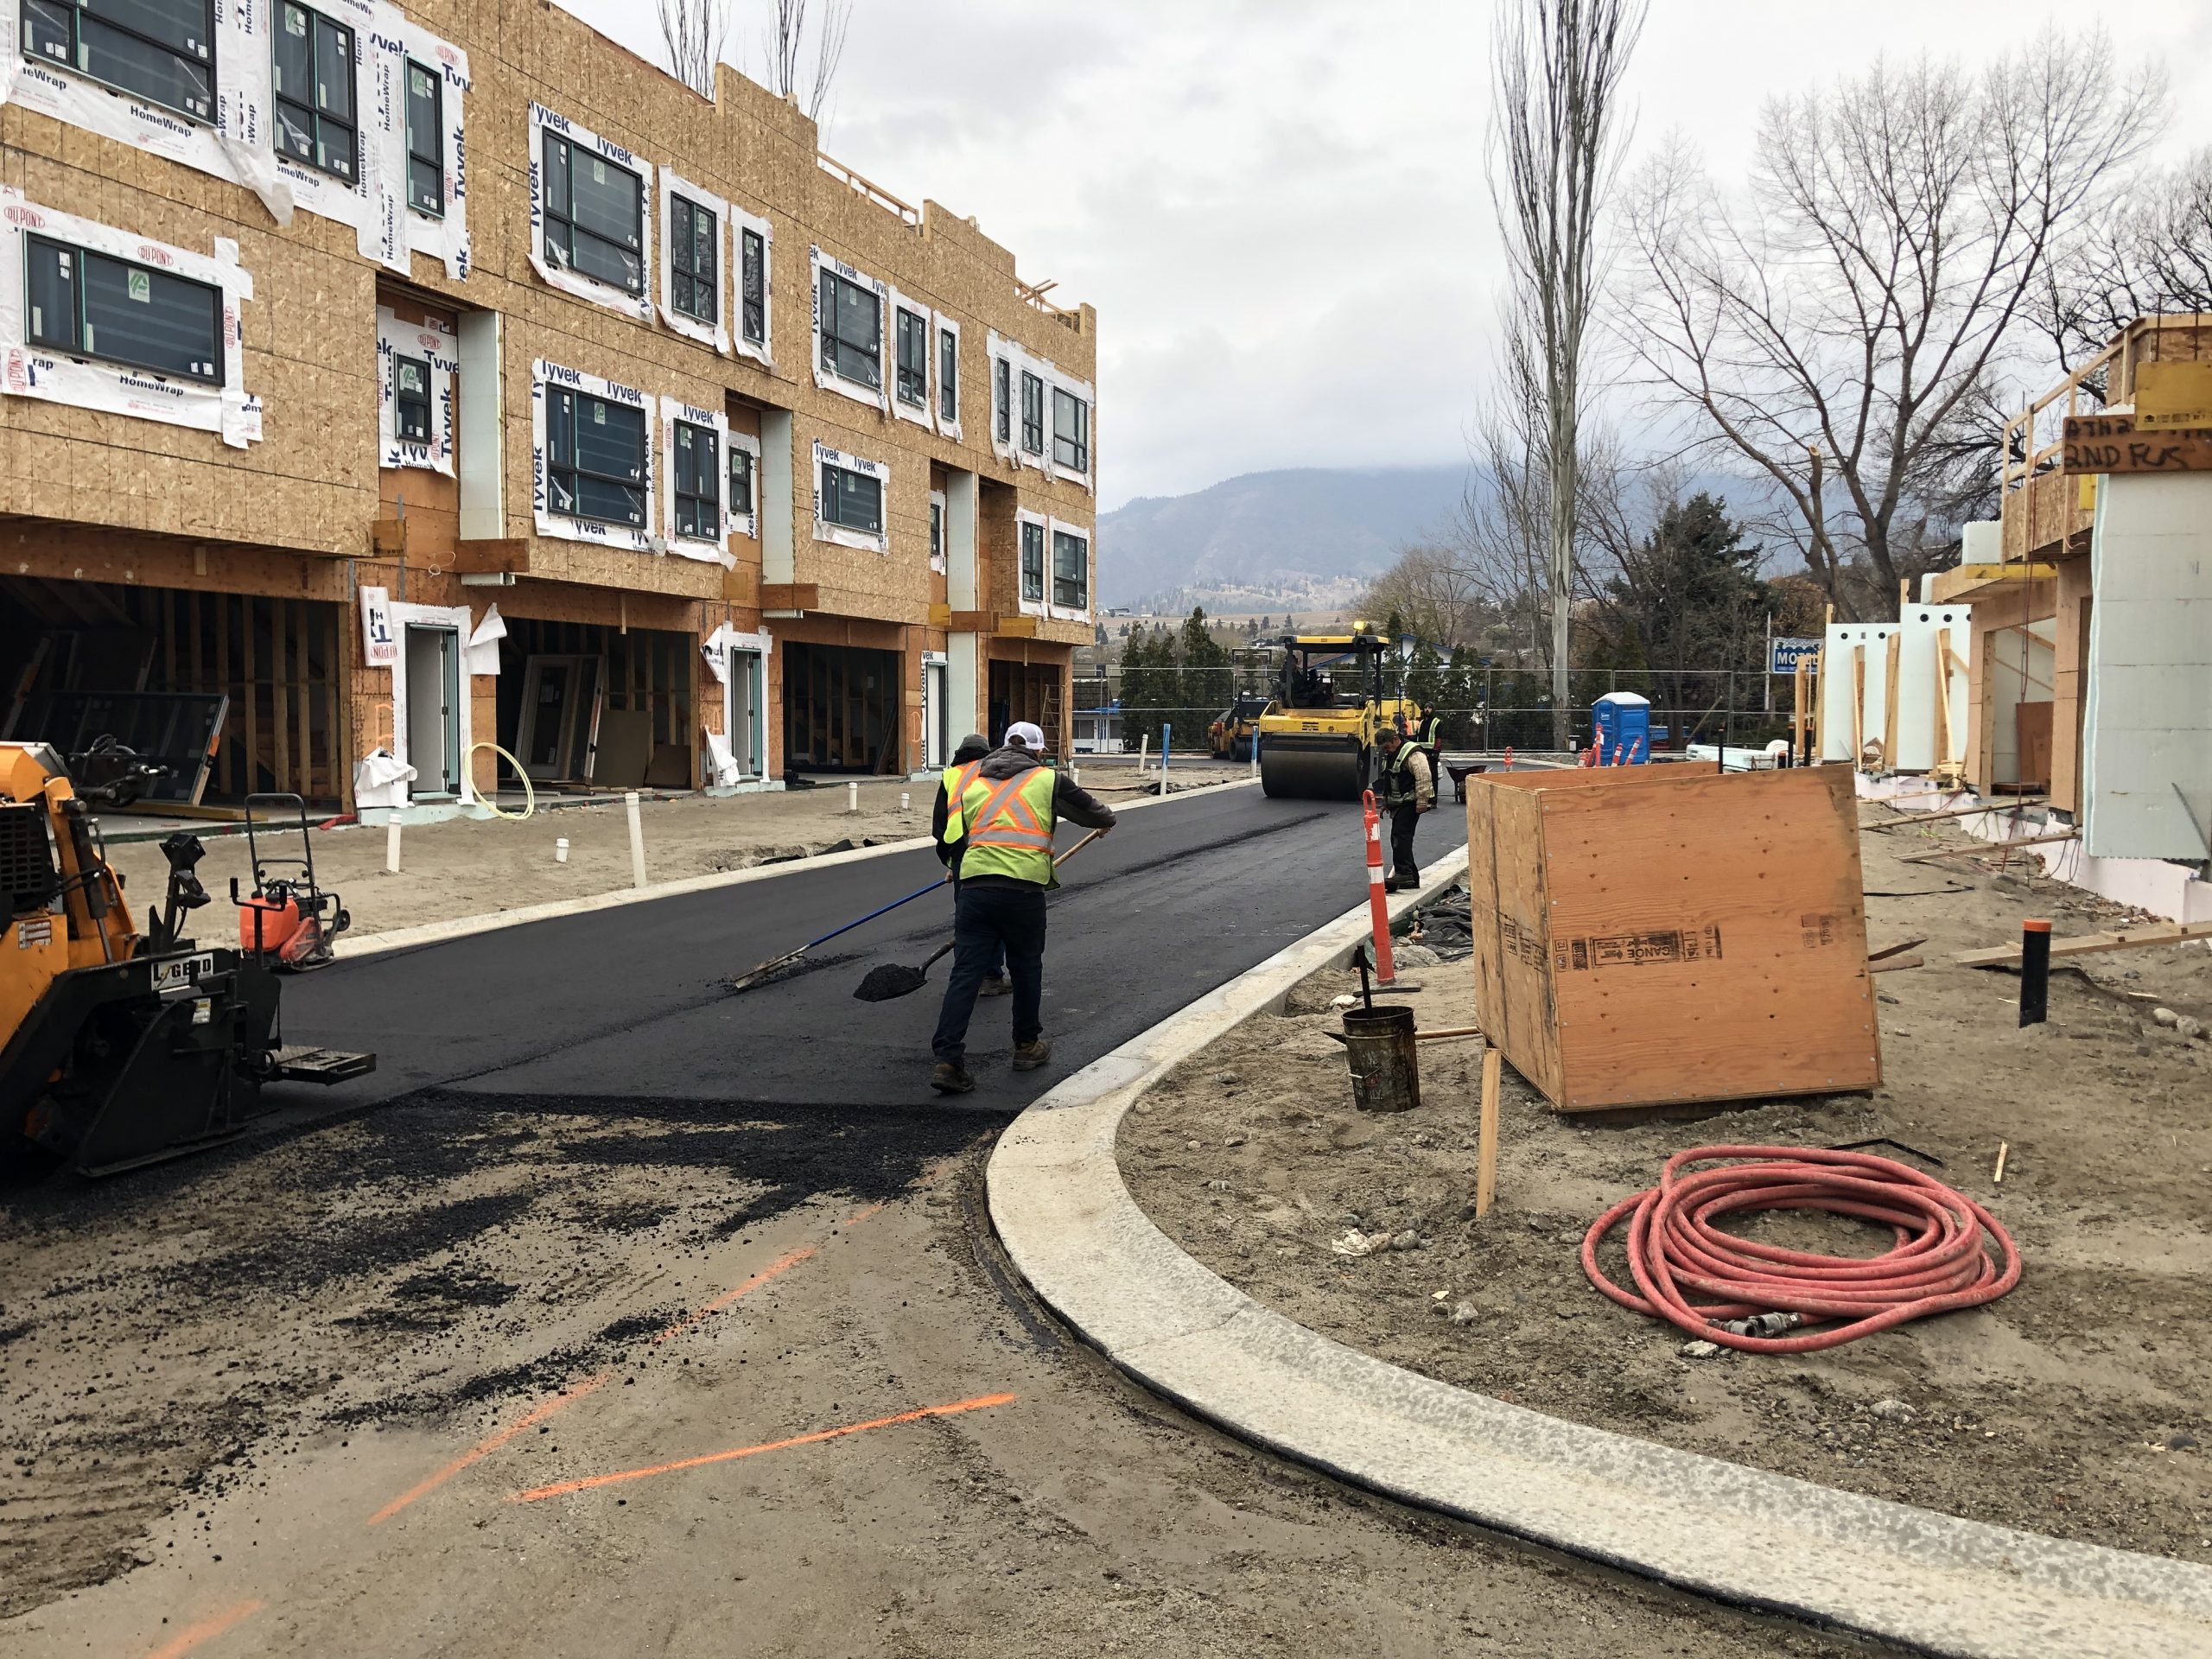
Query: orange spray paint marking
<point x="561" y="1488"/>
<point x="205" y="1631"/>
<point x="568" y="1397"/>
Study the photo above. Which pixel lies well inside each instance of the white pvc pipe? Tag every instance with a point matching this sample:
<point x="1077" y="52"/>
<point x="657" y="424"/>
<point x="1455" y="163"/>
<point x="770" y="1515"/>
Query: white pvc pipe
<point x="852" y="798"/>
<point x="1144" y="752"/>
<point x="637" y="839"/>
<point x="391" y="848"/>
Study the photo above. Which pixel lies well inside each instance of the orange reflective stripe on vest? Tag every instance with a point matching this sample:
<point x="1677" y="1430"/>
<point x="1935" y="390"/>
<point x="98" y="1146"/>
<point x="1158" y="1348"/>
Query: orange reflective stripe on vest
<point x="1005" y="819"/>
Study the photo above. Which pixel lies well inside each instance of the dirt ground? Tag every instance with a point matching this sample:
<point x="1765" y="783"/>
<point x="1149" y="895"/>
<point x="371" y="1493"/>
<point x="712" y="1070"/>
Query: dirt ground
<point x="471" y="867"/>
<point x="2075" y="1406"/>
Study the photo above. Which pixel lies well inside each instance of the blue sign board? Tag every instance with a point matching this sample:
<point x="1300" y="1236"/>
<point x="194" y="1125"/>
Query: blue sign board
<point x="1783" y="655"/>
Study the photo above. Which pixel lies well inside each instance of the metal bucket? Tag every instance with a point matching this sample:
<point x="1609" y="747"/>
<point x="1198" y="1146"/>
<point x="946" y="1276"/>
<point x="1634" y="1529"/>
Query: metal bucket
<point x="1385" y="1067"/>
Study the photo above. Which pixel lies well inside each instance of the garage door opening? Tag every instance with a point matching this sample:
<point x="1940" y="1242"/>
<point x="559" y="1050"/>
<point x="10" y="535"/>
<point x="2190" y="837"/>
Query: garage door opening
<point x="588" y="706"/>
<point x="842" y="709"/>
<point x="235" y="693"/>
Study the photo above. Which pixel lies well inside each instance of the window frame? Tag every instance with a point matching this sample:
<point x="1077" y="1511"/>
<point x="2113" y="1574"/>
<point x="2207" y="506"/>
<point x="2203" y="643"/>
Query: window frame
<point x="753" y="284"/>
<point x="947" y="374"/>
<point x="401" y="401"/>
<point x="1032" y="413"/>
<point x="681" y="248"/>
<point x="908" y="323"/>
<point x="79" y="322"/>
<point x="1031" y="529"/>
<point x="752" y="478"/>
<point x="640" y="482"/>
<point x="565" y="214"/>
<point x="706" y="508"/>
<point x="206" y="58"/>
<point x="1081" y="543"/>
<point x="937" y="561"/>
<point x="1002" y="400"/>
<point x="1081" y="442"/>
<point x="435" y="159"/>
<point x="315" y="115"/>
<point x="832" y="500"/>
<point x="826" y="329"/>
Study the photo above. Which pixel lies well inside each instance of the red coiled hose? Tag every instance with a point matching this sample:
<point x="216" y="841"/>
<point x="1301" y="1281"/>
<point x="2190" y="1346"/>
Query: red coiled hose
<point x="1943" y="1258"/>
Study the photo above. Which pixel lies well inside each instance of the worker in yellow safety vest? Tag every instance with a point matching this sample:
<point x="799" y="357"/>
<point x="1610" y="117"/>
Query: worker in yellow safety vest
<point x="1006" y="813"/>
<point x="949" y="832"/>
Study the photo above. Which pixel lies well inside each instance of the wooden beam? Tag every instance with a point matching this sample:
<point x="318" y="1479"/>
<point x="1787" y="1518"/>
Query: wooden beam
<point x="388" y="535"/>
<point x="1989" y="847"/>
<point x="790" y="596"/>
<point x="2100" y="444"/>
<point x="1942" y="696"/>
<point x="1486" y="1141"/>
<point x="1911" y="818"/>
<point x="1963" y="580"/>
<point x="2089" y="944"/>
<point x="1020" y="627"/>
<point x="1890" y="700"/>
<point x="1858" y="708"/>
<point x="492" y="556"/>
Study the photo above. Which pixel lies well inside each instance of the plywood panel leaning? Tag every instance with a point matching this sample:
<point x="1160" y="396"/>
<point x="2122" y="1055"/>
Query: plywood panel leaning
<point x="1655" y="935"/>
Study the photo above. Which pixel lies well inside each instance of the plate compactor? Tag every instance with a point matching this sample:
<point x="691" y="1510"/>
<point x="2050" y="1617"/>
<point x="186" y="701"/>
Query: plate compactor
<point x="123" y="1047"/>
<point x="1319" y="738"/>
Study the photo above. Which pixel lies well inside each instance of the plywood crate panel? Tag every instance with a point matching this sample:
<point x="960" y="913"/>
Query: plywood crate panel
<point x="1653" y="935"/>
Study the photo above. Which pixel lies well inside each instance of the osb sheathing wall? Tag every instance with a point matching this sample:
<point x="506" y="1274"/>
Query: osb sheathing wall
<point x="312" y="485"/>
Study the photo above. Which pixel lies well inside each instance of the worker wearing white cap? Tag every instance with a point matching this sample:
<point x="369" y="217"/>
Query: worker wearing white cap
<point x="1007" y="810"/>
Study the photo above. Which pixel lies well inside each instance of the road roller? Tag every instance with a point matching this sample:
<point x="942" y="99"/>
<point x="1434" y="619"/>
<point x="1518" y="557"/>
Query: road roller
<point x="1318" y="738"/>
<point x="121" y="1044"/>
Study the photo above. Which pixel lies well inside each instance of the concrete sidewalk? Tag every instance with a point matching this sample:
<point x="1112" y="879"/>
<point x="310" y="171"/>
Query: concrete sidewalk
<point x="1929" y="1582"/>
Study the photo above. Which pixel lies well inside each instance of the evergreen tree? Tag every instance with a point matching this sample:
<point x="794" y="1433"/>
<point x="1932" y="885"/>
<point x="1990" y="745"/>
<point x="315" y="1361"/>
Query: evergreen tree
<point x="1424" y="675"/>
<point x="1461" y="686"/>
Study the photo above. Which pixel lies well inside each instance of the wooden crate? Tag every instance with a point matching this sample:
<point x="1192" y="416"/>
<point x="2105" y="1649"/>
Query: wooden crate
<point x="1650" y="935"/>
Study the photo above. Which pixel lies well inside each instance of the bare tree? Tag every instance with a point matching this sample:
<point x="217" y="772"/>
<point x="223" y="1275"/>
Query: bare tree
<point x="2147" y="253"/>
<point x="1836" y="325"/>
<point x="694" y="31"/>
<point x="1432" y="589"/>
<point x="1558" y="65"/>
<point x="789" y="75"/>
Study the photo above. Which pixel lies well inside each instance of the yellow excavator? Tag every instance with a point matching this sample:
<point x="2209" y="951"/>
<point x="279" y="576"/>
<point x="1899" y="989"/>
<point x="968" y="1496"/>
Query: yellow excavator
<point x="1318" y="738"/>
<point x="122" y="1047"/>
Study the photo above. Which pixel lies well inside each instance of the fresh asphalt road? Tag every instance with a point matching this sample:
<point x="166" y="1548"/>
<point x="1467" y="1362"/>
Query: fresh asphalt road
<point x="633" y="1002"/>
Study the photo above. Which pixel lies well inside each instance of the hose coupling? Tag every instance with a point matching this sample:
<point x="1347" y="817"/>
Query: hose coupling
<point x="1764" y="1325"/>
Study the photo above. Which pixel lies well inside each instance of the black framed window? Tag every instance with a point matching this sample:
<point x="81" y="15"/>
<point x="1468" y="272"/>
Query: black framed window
<point x="1032" y="561"/>
<point x="313" y="59"/>
<point x="699" y="482"/>
<point x="913" y="359"/>
<point x="1070" y="431"/>
<point x="595" y="457"/>
<point x="936" y="532"/>
<point x="754" y="271"/>
<point x="1032" y="413"/>
<point x="852" y="331"/>
<point x="411" y="398"/>
<point x="87" y="304"/>
<point x="692" y="286"/>
<point x="740" y="480"/>
<point x="160" y="50"/>
<point x="1071" y="570"/>
<point x="595" y="215"/>
<point x="947" y="374"/>
<point x="1002" y="397"/>
<point x="426" y="140"/>
<point x="852" y="499"/>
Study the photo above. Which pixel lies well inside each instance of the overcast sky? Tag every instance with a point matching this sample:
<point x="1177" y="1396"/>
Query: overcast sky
<point x="1279" y="206"/>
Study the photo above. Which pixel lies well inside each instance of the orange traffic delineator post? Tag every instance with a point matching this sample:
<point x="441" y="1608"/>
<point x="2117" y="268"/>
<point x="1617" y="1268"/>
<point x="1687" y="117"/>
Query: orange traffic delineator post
<point x="1509" y="757"/>
<point x="1386" y="972"/>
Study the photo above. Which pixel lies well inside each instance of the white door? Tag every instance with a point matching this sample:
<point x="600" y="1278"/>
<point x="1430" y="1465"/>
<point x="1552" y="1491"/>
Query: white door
<point x="936" y="715"/>
<point x="434" y="709"/>
<point x="745" y="711"/>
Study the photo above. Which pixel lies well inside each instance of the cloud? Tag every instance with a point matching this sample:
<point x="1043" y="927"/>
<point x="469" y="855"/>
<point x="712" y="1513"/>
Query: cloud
<point x="1280" y="208"/>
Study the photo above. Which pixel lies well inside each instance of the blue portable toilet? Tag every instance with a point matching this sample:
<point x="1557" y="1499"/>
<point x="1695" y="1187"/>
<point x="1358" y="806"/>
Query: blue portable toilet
<point x="1623" y="721"/>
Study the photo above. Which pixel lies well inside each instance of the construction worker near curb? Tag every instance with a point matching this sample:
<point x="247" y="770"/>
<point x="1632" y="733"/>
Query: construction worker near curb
<point x="1408" y="791"/>
<point x="951" y="787"/>
<point x="1007" y="809"/>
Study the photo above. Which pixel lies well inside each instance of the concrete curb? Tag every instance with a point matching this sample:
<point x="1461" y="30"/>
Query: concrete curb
<point x="1926" y="1581"/>
<point x="461" y="927"/>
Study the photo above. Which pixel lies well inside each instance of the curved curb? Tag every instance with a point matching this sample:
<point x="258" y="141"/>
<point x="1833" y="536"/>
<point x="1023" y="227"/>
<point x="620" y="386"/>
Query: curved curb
<point x="1926" y="1581"/>
<point x="462" y="927"/>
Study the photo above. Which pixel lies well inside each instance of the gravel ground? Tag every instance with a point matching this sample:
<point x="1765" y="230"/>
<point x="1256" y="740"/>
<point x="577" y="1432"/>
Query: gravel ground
<point x="2075" y="1406"/>
<point x="470" y="867"/>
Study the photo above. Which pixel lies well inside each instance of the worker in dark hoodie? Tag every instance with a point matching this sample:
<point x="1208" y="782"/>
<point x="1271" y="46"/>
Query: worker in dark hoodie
<point x="950" y="847"/>
<point x="1007" y="812"/>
